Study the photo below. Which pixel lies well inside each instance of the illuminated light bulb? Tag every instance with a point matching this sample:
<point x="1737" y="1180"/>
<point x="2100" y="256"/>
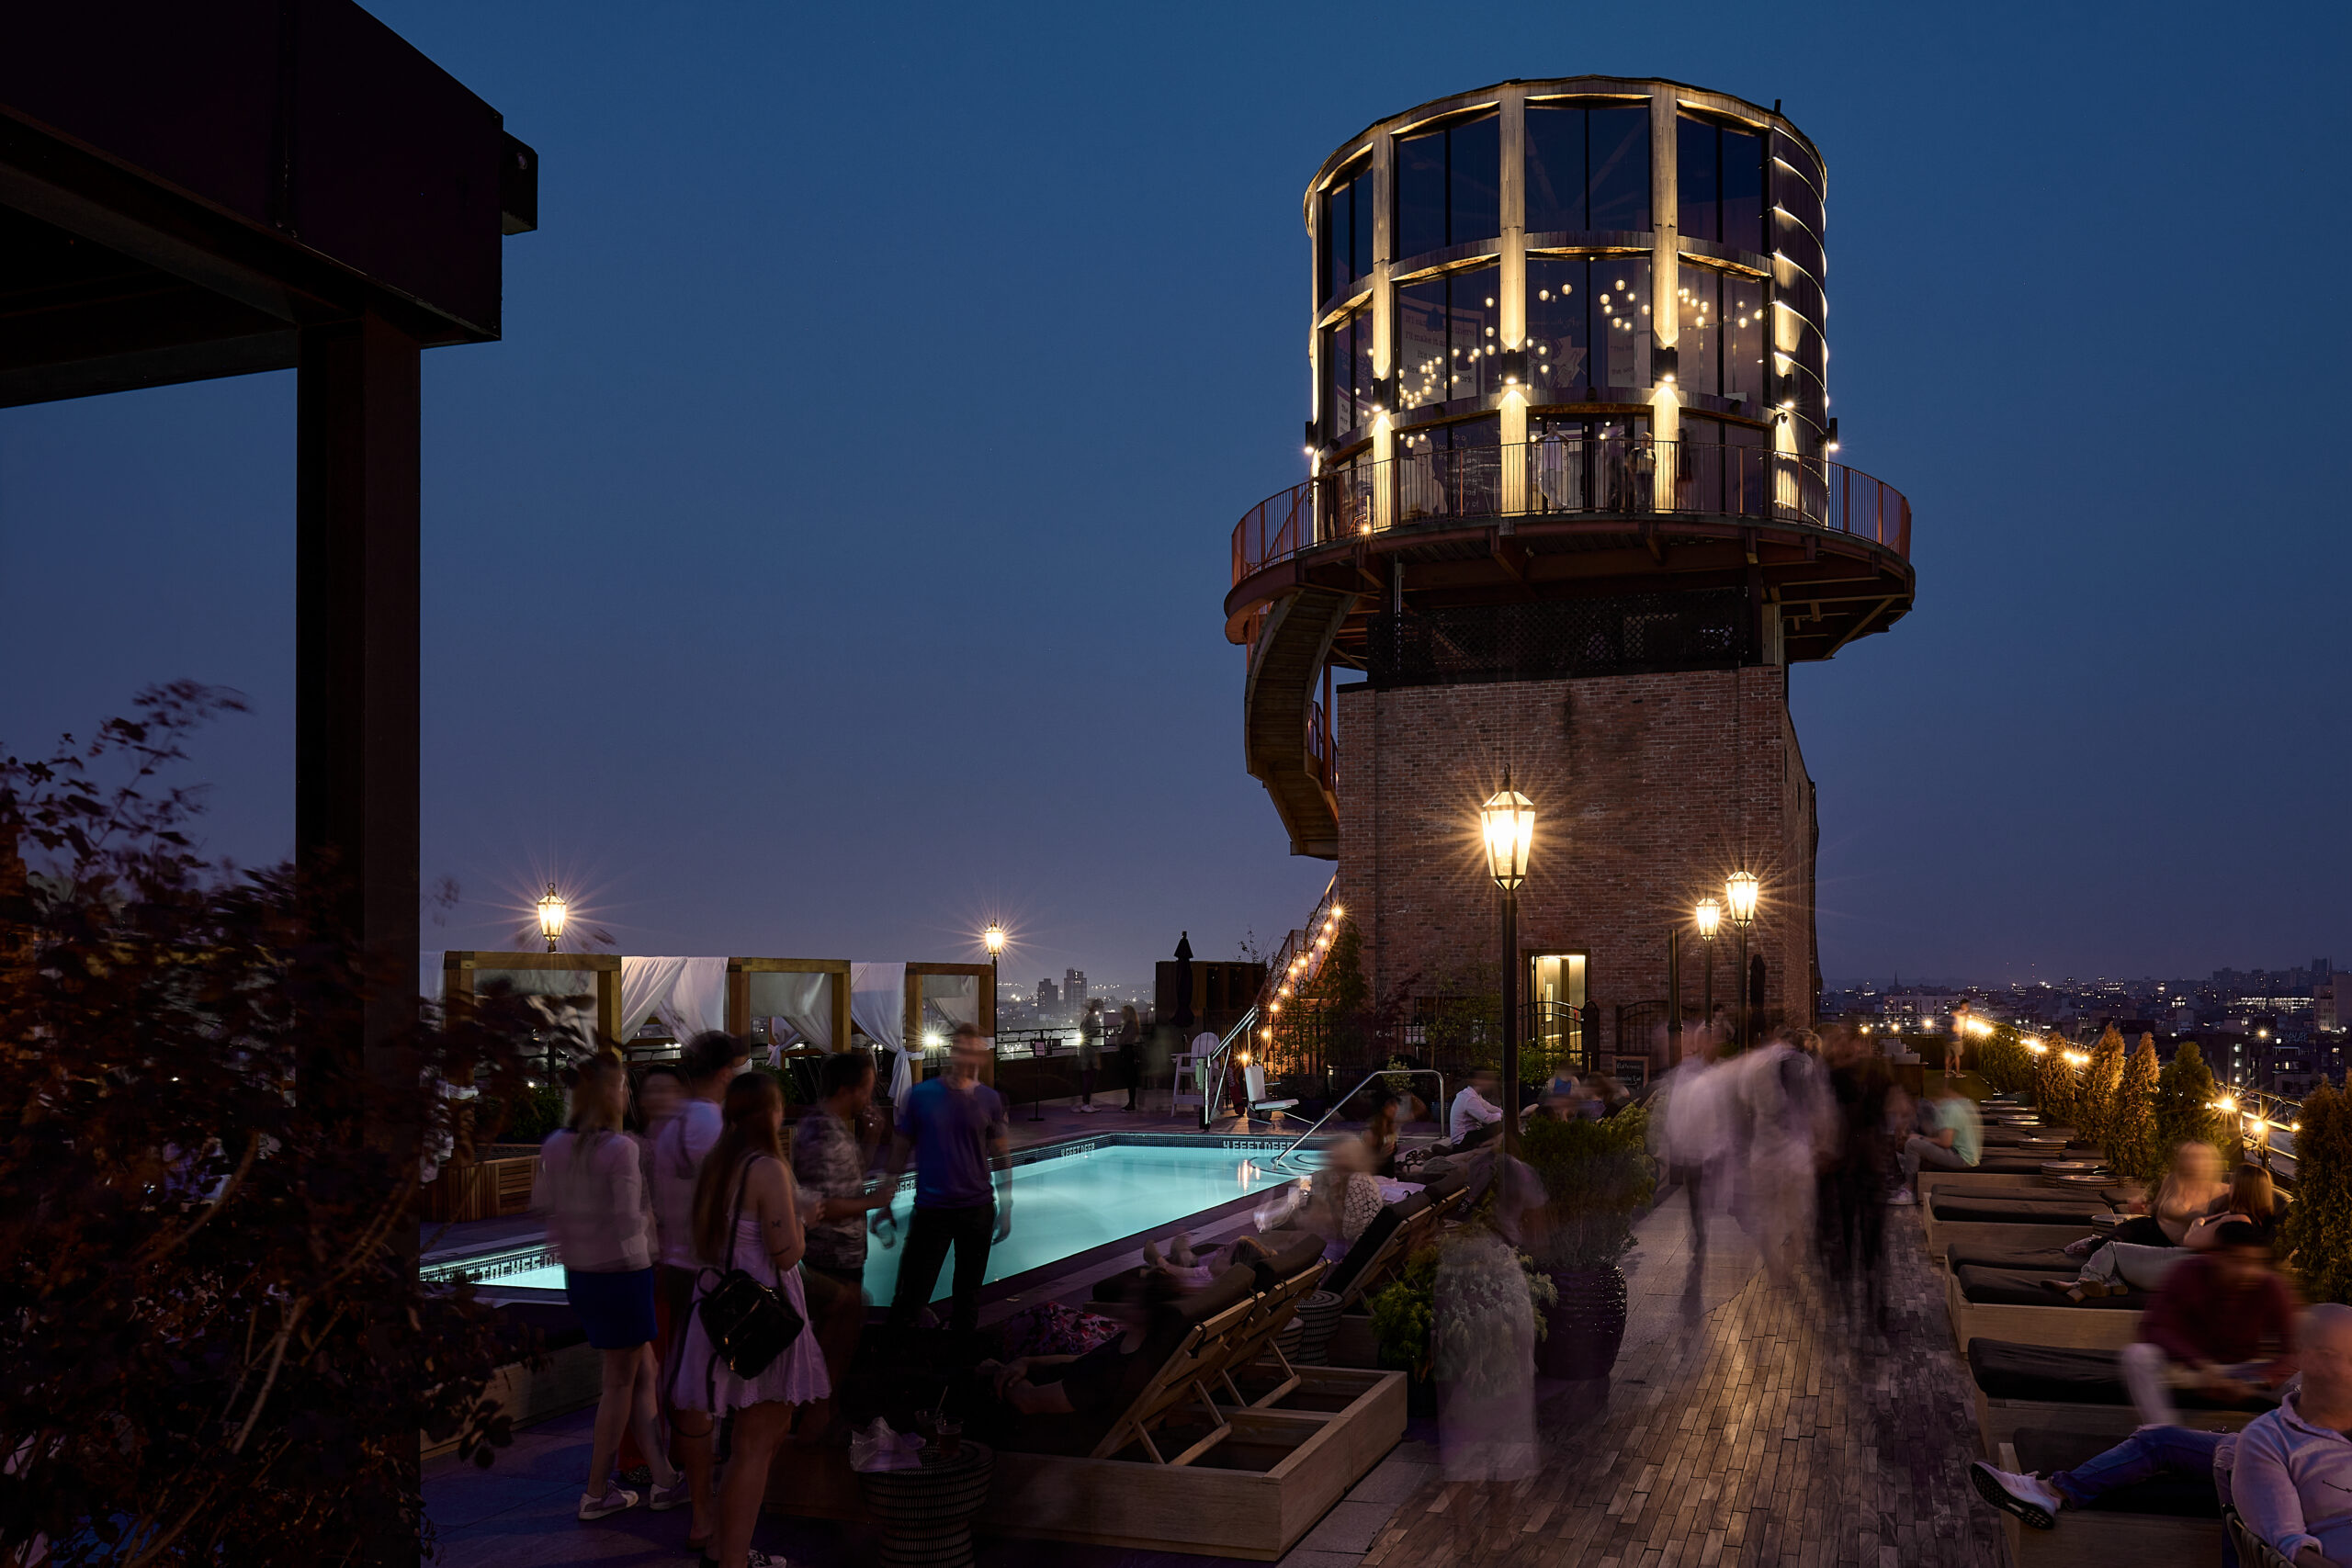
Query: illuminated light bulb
<point x="1339" y="912"/>
<point x="1620" y="283"/>
<point x="1490" y="299"/>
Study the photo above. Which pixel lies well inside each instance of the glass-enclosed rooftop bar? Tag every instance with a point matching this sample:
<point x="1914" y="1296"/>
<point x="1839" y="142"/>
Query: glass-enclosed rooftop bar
<point x="1591" y="258"/>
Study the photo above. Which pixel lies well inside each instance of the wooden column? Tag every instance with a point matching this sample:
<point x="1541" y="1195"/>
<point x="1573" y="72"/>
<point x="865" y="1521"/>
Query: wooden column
<point x="355" y="761"/>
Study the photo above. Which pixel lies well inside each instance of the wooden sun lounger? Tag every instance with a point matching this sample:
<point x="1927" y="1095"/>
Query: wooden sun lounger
<point x="1272" y="1472"/>
<point x="2093" y="1328"/>
<point x="1998" y="1420"/>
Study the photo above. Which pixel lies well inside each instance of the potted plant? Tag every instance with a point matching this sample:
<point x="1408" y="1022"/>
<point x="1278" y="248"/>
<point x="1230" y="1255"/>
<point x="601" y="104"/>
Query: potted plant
<point x="1596" y="1176"/>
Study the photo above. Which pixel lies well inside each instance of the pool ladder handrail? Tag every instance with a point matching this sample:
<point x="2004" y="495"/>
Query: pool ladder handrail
<point x="1213" y="1089"/>
<point x="1438" y="1108"/>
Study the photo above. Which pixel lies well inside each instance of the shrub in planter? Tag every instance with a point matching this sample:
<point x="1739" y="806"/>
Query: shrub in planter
<point x="2003" y="1062"/>
<point x="2095" y="1107"/>
<point x="1596" y="1176"/>
<point x="2184" y="1113"/>
<point x="1466" y="1313"/>
<point x="2318" y="1226"/>
<point x="2054" y="1092"/>
<point x="2132" y="1145"/>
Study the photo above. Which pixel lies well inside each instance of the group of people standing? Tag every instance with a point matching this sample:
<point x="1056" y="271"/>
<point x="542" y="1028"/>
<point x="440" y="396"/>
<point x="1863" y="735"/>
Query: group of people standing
<point x="654" y="1193"/>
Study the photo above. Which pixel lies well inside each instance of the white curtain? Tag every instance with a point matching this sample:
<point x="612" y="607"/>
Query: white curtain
<point x="803" y="1003"/>
<point x="877" y="1004"/>
<point x="689" y="995"/>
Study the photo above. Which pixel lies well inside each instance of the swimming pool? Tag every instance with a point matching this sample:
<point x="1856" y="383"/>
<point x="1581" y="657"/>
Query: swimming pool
<point x="1066" y="1199"/>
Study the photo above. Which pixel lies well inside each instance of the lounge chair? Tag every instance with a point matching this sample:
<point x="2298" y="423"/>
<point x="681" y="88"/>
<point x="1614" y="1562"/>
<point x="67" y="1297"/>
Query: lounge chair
<point x="2012" y="1304"/>
<point x="2253" y="1550"/>
<point x="1176" y="1471"/>
<point x="2069" y="1390"/>
<point x="2157" y="1523"/>
<point x="2012" y="1218"/>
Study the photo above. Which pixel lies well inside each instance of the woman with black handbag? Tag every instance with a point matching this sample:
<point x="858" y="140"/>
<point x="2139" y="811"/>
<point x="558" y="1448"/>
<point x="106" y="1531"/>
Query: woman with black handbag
<point x="747" y="1349"/>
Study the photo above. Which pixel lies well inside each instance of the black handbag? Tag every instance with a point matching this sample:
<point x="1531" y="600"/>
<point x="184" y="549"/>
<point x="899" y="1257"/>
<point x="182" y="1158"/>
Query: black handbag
<point x="749" y="1323"/>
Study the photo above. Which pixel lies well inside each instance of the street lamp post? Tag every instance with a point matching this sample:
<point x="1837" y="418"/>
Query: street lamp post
<point x="1509" y="822"/>
<point x="552" y="911"/>
<point x="1739" y="892"/>
<point x="994" y="938"/>
<point x="1709" y="916"/>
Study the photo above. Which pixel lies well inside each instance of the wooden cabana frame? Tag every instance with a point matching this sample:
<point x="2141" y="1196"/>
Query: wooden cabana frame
<point x="461" y="971"/>
<point x="738" y="990"/>
<point x="912" y="1024"/>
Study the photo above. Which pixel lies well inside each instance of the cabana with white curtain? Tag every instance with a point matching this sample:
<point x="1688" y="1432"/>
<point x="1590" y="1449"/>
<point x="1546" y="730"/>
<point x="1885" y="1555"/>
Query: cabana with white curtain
<point x="685" y="996"/>
<point x="581" y="992"/>
<point x="792" y="1005"/>
<point x="909" y="1010"/>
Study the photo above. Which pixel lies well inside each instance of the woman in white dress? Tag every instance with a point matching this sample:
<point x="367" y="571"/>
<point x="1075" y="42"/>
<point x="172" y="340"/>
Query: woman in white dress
<point x="747" y="1216"/>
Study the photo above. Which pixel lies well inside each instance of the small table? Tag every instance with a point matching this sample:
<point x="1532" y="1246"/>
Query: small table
<point x="926" y="1513"/>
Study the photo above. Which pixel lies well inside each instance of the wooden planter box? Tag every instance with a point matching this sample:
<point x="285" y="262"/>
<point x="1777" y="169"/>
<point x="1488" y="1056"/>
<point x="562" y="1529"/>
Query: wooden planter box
<point x="2085" y="1328"/>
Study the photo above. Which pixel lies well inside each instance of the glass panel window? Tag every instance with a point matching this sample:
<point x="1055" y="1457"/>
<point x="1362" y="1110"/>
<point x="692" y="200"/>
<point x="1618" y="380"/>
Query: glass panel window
<point x="1420" y="193"/>
<point x="1555" y="169"/>
<point x="1450" y="471"/>
<point x="1617" y="167"/>
<point x="1699" y="171"/>
<point x="1559" y="340"/>
<point x="1347" y="373"/>
<point x="1743" y="191"/>
<point x="1347" y="233"/>
<point x="1447" y="330"/>
<point x="1473" y="181"/>
<point x="1448" y="185"/>
<point x="1699" y="325"/>
<point x="1556" y="1003"/>
<point x="1621" y="322"/>
<point x="1744" y="345"/>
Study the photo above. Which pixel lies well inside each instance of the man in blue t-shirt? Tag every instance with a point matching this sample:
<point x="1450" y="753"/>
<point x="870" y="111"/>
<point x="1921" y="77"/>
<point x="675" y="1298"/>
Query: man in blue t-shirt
<point x="955" y="1128"/>
<point x="1957" y="1143"/>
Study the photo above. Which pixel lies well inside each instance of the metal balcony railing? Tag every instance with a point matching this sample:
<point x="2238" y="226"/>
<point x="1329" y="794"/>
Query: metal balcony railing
<point x="1615" y="477"/>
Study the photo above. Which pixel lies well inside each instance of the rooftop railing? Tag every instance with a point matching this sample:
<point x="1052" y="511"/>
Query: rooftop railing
<point x="1615" y="477"/>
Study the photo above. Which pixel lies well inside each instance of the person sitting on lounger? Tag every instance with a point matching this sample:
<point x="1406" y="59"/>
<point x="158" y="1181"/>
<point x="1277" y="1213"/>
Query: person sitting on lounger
<point x="2186" y="1195"/>
<point x="2223" y="1323"/>
<point x="2116" y="1267"/>
<point x="1060" y="1404"/>
<point x="2288" y="1470"/>
<point x="1192" y="1270"/>
<point x="1474" y="1115"/>
<point x="1957" y="1141"/>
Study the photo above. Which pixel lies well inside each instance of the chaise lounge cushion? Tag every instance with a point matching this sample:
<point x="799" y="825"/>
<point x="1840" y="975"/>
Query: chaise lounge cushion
<point x="2173" y="1493"/>
<point x="1992" y="1255"/>
<point x="2058" y="1209"/>
<point x="2018" y="1287"/>
<point x="2006" y="1370"/>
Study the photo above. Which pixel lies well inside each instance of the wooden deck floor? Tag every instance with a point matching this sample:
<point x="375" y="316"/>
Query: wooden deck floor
<point x="1765" y="1428"/>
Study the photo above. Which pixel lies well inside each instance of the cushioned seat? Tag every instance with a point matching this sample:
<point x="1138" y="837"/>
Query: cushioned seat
<point x="2005" y="1370"/>
<point x="1375" y="1235"/>
<point x="2179" y="1495"/>
<point x="2019" y="1287"/>
<point x="2014" y="1209"/>
<point x="1985" y="1254"/>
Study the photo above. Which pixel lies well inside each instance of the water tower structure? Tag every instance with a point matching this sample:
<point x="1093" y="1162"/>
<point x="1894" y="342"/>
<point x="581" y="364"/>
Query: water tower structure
<point x="1576" y="506"/>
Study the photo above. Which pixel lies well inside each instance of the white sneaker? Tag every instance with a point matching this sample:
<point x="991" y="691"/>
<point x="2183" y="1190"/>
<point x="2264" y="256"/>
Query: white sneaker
<point x="615" y="1500"/>
<point x="2029" y="1497"/>
<point x="1901" y="1197"/>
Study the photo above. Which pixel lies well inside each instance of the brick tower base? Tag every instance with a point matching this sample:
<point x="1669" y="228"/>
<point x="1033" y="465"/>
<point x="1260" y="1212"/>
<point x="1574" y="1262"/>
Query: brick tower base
<point x="1648" y="790"/>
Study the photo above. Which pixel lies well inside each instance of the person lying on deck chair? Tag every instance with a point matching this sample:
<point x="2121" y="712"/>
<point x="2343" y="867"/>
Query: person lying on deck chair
<point x="1057" y="1404"/>
<point x="2223" y="1322"/>
<point x="1192" y="1270"/>
<point x="2289" y="1472"/>
<point x="2114" y="1268"/>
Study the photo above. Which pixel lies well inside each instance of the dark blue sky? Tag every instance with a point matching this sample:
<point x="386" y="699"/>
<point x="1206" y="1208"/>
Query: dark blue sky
<point x="830" y="558"/>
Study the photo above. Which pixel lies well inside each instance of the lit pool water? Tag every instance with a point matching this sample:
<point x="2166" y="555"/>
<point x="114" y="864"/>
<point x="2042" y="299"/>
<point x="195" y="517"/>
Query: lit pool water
<point x="1061" y="1206"/>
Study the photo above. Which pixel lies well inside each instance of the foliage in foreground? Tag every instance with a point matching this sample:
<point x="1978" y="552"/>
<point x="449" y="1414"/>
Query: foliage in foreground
<point x="2184" y="1113"/>
<point x="2132" y="1147"/>
<point x="1596" y="1176"/>
<point x="1460" y="1310"/>
<point x="2318" y="1226"/>
<point x="216" y="1347"/>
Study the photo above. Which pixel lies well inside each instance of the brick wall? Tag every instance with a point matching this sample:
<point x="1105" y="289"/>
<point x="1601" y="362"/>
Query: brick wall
<point x="1648" y="790"/>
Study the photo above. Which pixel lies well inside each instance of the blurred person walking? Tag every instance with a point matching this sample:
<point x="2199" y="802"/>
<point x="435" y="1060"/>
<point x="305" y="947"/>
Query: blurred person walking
<point x="1863" y="1164"/>
<point x="1695" y="1140"/>
<point x="830" y="1155"/>
<point x="660" y="1093"/>
<point x="1090" y="1055"/>
<point x="709" y="1062"/>
<point x="1131" y="1054"/>
<point x="956" y="1131"/>
<point x="600" y="1224"/>
<point x="1785" y="1096"/>
<point x="747" y="1216"/>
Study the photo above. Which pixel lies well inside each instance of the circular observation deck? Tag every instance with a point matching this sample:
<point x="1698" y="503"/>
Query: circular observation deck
<point x="1567" y="344"/>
